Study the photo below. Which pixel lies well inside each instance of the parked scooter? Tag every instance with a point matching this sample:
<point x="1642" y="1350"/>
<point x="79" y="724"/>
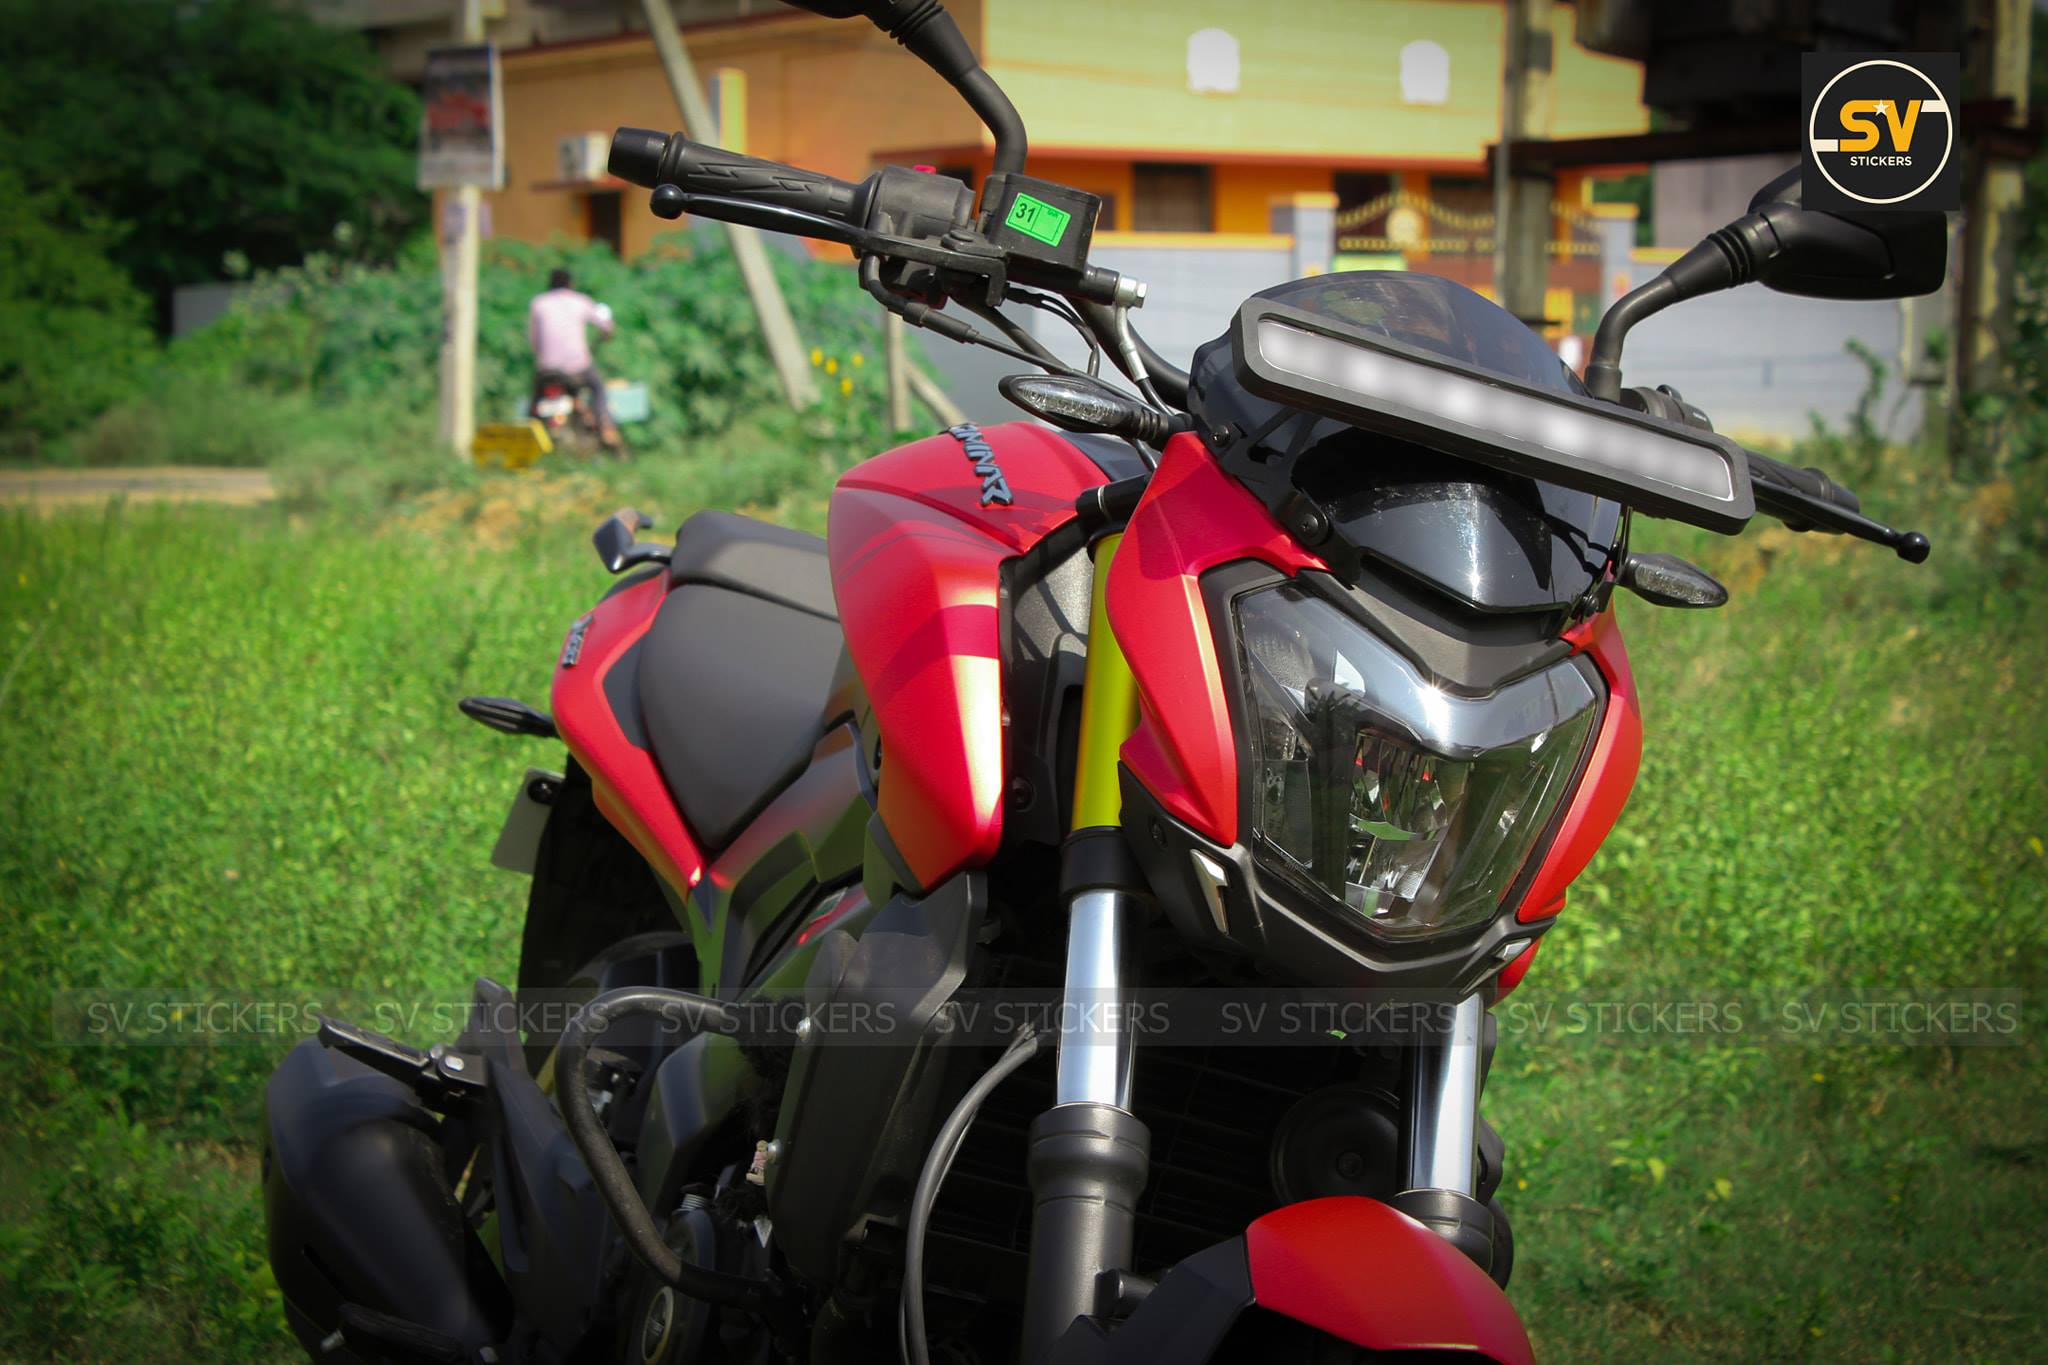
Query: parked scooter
<point x="883" y="905"/>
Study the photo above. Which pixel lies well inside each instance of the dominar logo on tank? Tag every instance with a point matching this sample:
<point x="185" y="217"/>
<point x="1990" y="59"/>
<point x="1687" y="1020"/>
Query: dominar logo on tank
<point x="995" y="489"/>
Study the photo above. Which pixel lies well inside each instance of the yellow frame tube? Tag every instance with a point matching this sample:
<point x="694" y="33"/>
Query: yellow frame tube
<point x="1109" y="708"/>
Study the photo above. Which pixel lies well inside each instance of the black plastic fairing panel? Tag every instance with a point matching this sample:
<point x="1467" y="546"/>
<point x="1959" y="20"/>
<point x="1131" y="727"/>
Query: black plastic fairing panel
<point x="692" y="1094"/>
<point x="1185" y="1317"/>
<point x="1494" y="541"/>
<point x="1045" y="655"/>
<point x="1113" y="457"/>
<point x="866" y="1086"/>
<point x="622" y="695"/>
<point x="359" y="1210"/>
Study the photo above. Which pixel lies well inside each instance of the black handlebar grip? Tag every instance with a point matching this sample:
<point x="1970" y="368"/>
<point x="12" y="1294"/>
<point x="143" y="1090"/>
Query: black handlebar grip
<point x="644" y="157"/>
<point x="636" y="155"/>
<point x="1809" y="481"/>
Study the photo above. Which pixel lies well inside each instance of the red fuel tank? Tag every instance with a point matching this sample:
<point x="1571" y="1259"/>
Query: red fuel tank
<point x="917" y="538"/>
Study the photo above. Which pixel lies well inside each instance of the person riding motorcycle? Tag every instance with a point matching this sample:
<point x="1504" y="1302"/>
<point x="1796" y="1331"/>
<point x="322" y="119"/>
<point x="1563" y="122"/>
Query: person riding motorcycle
<point x="558" y="323"/>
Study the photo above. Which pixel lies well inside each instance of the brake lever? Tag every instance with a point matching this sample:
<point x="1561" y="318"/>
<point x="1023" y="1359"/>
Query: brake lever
<point x="673" y="201"/>
<point x="1792" y="504"/>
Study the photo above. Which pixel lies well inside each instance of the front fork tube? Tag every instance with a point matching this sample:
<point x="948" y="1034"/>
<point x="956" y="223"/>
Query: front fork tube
<point x="1088" y="1154"/>
<point x="1440" y="1140"/>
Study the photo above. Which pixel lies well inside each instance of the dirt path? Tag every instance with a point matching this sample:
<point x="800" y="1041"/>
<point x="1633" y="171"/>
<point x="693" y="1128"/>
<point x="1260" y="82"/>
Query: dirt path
<point x="166" y="483"/>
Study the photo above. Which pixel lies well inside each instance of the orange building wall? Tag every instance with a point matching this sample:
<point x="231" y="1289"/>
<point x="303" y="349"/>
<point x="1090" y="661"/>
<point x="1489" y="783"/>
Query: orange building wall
<point x="810" y="101"/>
<point x="1244" y="192"/>
<point x="1104" y="177"/>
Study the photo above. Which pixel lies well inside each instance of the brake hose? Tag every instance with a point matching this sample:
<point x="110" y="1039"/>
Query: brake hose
<point x="614" y="1184"/>
<point x="946" y="1146"/>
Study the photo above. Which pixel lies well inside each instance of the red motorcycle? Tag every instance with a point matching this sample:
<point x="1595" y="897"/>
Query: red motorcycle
<point x="1055" y="915"/>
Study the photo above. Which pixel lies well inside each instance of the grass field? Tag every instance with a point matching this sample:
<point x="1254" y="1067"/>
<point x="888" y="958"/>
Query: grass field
<point x="232" y="765"/>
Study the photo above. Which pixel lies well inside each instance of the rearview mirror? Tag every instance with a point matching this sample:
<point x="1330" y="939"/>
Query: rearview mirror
<point x="1840" y="254"/>
<point x="1783" y="245"/>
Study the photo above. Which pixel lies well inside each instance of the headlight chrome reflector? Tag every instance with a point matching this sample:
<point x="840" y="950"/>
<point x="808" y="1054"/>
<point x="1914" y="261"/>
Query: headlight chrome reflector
<point x="1410" y="807"/>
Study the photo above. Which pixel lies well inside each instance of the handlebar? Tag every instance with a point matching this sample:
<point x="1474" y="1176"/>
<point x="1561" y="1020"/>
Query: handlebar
<point x="1804" y="499"/>
<point x="1809" y="481"/>
<point x="1808" y="500"/>
<point x="641" y="156"/>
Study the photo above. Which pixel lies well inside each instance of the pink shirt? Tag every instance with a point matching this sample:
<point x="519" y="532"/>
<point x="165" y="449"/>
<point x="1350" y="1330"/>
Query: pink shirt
<point x="556" y="323"/>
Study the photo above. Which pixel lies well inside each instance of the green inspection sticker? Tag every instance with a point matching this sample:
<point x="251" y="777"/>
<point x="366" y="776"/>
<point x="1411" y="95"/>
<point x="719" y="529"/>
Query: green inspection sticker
<point x="1036" y="218"/>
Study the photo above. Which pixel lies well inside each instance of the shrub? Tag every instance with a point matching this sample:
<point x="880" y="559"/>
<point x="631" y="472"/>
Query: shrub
<point x="74" y="333"/>
<point x="335" y="360"/>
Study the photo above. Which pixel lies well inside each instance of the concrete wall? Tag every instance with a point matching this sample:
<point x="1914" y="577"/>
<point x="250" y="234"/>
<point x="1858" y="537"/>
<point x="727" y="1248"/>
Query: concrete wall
<point x="1760" y="364"/>
<point x="1689" y="199"/>
<point x="195" y="305"/>
<point x="1764" y="364"/>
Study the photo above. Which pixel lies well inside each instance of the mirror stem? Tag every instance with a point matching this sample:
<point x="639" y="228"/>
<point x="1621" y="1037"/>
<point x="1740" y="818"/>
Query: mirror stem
<point x="924" y="27"/>
<point x="1725" y="259"/>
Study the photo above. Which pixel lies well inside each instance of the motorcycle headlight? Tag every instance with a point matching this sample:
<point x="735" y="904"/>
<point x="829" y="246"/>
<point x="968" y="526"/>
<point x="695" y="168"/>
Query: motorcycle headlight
<point x="1410" y="807"/>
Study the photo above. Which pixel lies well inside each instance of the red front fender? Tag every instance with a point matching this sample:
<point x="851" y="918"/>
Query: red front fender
<point x="1375" y="1277"/>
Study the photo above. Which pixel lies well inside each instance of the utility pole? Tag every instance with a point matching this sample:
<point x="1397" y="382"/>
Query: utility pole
<point x="1521" y="203"/>
<point x="777" y="328"/>
<point x="458" y="284"/>
<point x="1998" y="69"/>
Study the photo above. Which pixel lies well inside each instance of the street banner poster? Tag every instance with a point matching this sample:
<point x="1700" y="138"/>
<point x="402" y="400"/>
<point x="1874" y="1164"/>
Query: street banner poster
<point x="462" y="119"/>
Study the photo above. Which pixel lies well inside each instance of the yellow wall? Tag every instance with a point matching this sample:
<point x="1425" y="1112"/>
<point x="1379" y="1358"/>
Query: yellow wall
<point x="1319" y="90"/>
<point x="1319" y="78"/>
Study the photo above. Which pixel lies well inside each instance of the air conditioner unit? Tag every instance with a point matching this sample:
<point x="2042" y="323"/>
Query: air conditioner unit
<point x="581" y="156"/>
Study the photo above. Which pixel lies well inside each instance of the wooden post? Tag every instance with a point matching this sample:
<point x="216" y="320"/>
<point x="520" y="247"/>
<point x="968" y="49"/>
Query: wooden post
<point x="1521" y="203"/>
<point x="778" y="330"/>
<point x="458" y="285"/>
<point x="1998" y="67"/>
<point x="899" y="376"/>
<point x="932" y="396"/>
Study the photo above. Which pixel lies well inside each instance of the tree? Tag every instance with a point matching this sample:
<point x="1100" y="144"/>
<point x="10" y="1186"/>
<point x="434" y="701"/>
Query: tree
<point x="205" y="128"/>
<point x="74" y="334"/>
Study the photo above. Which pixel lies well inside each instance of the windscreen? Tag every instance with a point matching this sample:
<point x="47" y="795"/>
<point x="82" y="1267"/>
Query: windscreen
<point x="1435" y="315"/>
<point x="1497" y="541"/>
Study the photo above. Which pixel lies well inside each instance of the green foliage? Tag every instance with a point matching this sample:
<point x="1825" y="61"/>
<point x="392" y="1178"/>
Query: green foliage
<point x="1999" y="431"/>
<point x="74" y="335"/>
<point x="1633" y="188"/>
<point x="119" y="1243"/>
<point x="1840" y="789"/>
<point x="236" y="126"/>
<point x="328" y="373"/>
<point x="261" y="787"/>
